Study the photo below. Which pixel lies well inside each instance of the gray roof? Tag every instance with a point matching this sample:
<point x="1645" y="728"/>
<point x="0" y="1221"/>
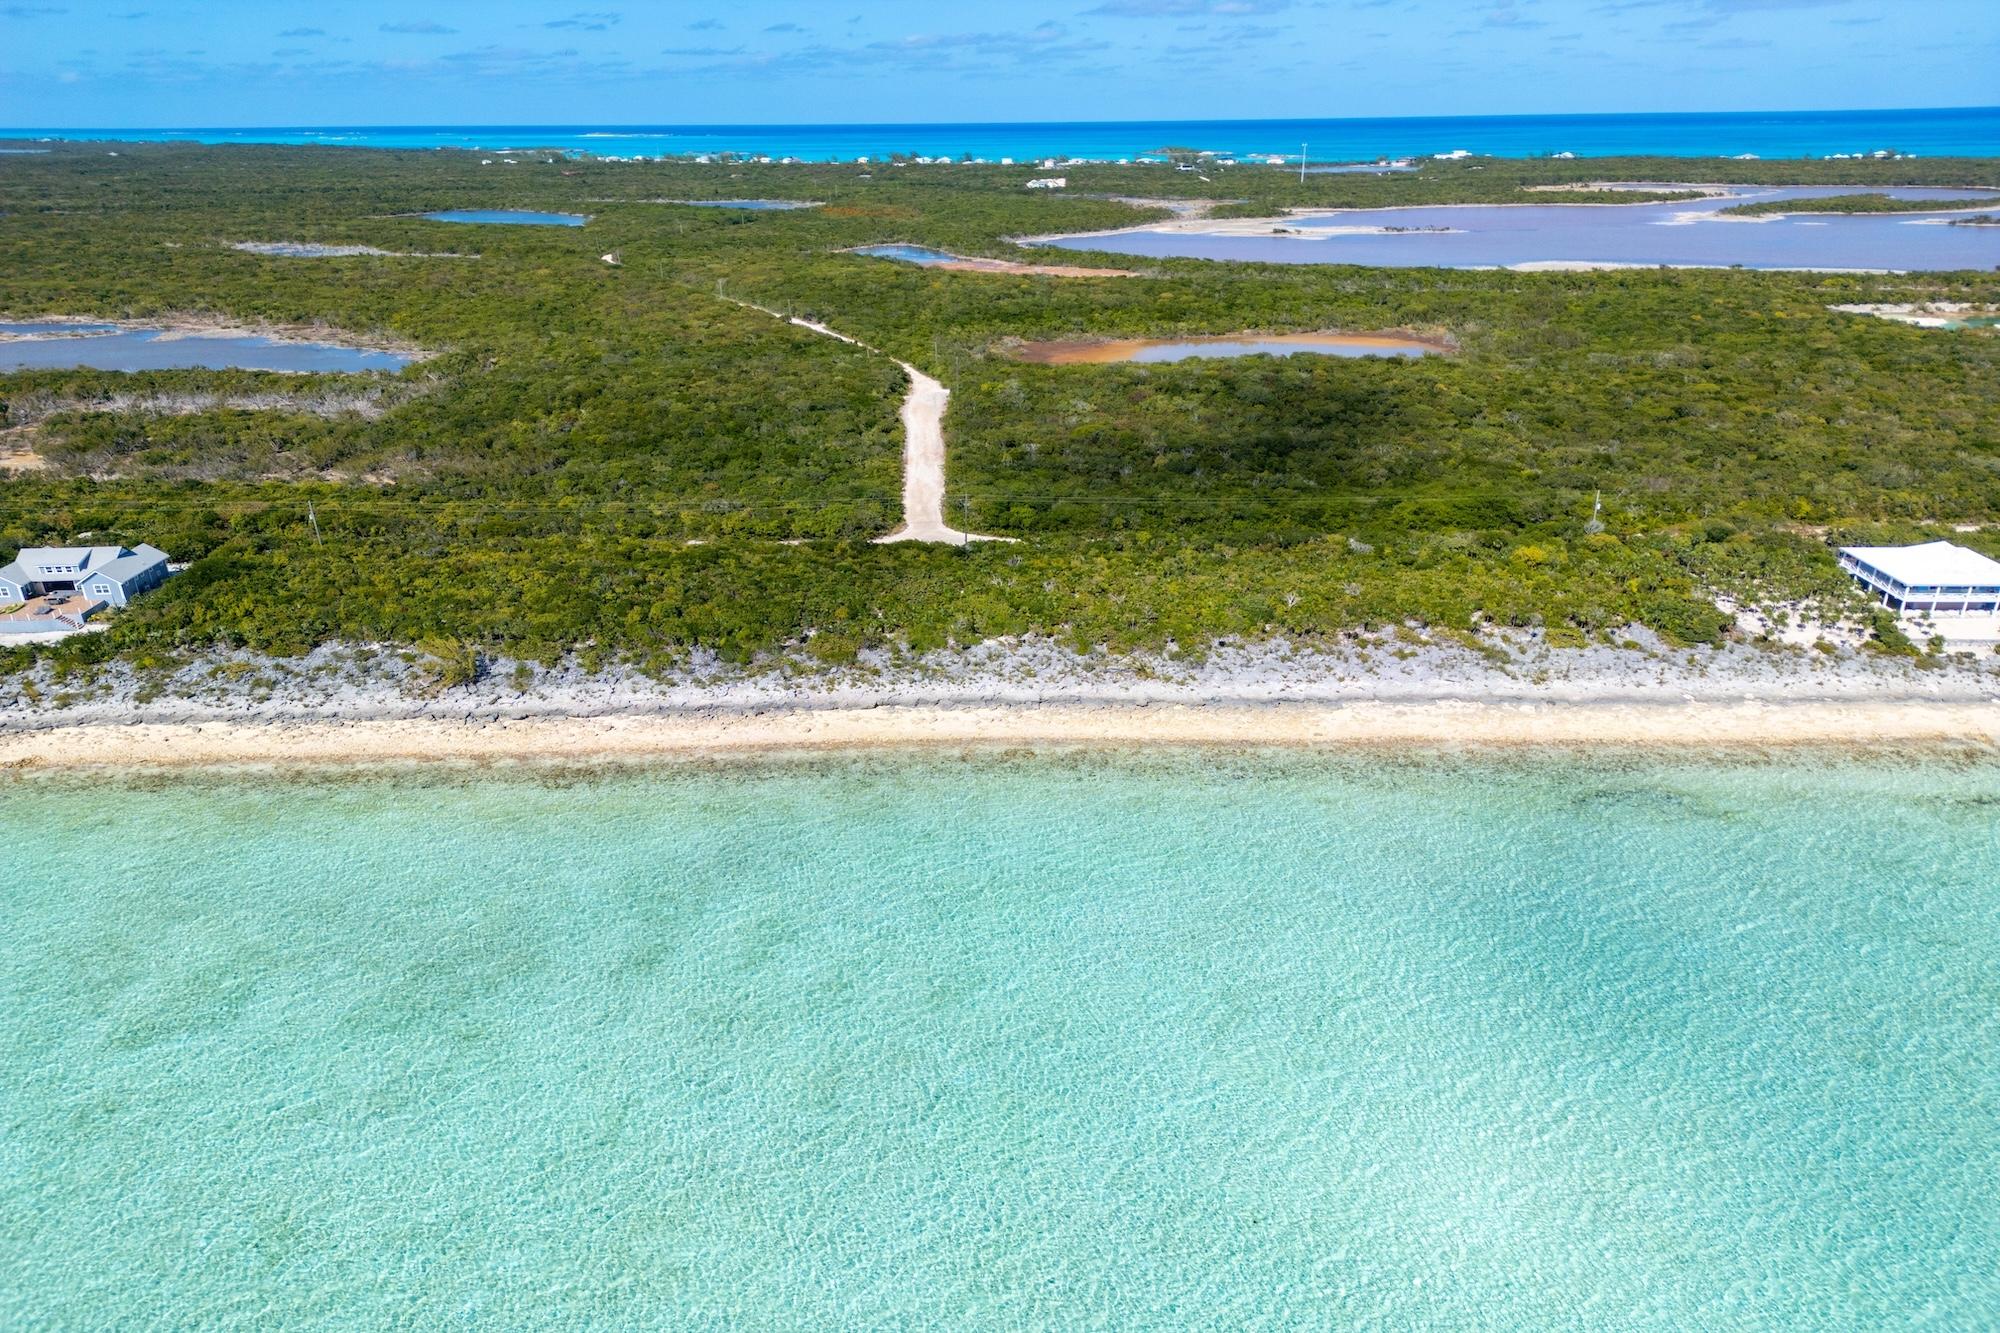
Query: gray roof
<point x="37" y="559"/>
<point x="129" y="564"/>
<point x="32" y="564"/>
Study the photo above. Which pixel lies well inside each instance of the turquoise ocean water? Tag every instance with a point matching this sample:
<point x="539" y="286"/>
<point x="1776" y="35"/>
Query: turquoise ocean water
<point x="1177" y="1039"/>
<point x="1950" y="131"/>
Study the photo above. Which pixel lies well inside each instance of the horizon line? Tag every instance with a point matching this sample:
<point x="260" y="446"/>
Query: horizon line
<point x="10" y="130"/>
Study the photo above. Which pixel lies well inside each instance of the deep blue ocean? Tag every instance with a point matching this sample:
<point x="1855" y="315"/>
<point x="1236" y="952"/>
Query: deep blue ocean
<point x="1958" y="131"/>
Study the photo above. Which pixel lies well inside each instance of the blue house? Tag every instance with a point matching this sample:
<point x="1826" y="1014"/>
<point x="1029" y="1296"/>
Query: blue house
<point x="108" y="575"/>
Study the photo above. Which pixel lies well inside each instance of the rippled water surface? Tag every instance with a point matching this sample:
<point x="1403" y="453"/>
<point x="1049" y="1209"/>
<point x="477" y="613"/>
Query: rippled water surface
<point x="1207" y="1039"/>
<point x="1956" y="131"/>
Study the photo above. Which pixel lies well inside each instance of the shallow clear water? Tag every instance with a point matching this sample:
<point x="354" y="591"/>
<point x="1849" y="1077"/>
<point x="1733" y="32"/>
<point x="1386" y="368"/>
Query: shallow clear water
<point x="111" y="347"/>
<point x="515" y="217"/>
<point x="1689" y="233"/>
<point x="1183" y="1038"/>
<point x="1964" y="131"/>
<point x="908" y="254"/>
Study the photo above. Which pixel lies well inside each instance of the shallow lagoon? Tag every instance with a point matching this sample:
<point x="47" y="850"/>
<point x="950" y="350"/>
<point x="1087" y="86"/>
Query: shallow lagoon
<point x="1685" y="233"/>
<point x="1230" y="1038"/>
<point x="907" y="254"/>
<point x="511" y="217"/>
<point x="51" y="345"/>
<point x="752" y="205"/>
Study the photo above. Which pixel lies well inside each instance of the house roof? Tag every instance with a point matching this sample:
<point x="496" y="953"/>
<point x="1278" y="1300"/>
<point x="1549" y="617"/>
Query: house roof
<point x="37" y="560"/>
<point x="1931" y="565"/>
<point x="130" y="563"/>
<point x="34" y="562"/>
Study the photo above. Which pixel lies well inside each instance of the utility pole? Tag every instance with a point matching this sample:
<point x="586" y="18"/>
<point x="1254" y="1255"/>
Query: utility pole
<point x="313" y="519"/>
<point x="1302" y="164"/>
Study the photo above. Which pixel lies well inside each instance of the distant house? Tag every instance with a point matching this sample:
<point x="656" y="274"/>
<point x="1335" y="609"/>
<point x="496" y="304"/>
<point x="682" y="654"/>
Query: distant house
<point x="1049" y="183"/>
<point x="109" y="575"/>
<point x="1936" y="578"/>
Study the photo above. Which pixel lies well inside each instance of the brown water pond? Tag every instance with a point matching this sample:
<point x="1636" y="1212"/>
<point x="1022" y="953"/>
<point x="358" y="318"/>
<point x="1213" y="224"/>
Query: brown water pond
<point x="1155" y="350"/>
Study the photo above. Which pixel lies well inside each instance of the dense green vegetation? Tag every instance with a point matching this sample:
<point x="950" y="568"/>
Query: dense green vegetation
<point x="611" y="458"/>
<point x="1842" y="203"/>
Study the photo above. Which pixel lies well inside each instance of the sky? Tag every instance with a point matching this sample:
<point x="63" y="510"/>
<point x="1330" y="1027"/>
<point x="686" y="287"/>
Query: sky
<point x="138" y="64"/>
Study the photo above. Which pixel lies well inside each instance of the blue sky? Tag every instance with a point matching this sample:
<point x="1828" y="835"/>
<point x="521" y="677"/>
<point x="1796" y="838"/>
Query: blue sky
<point x="274" y="62"/>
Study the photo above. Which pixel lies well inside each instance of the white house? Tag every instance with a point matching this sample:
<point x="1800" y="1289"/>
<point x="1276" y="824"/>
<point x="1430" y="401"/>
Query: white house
<point x="1936" y="578"/>
<point x="106" y="574"/>
<point x="1049" y="183"/>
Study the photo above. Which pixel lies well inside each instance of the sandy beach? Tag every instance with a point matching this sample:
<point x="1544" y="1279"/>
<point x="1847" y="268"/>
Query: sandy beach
<point x="715" y="733"/>
<point x="358" y="705"/>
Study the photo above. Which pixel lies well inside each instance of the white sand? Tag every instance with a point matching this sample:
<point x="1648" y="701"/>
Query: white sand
<point x="358" y="704"/>
<point x="923" y="463"/>
<point x="1013" y="267"/>
<point x="923" y="446"/>
<point x="1439" y="723"/>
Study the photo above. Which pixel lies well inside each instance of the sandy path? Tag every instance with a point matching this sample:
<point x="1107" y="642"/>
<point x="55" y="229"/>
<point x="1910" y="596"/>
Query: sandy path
<point x="923" y="463"/>
<point x="17" y="450"/>
<point x="717" y="733"/>
<point x="923" y="446"/>
<point x="1016" y="268"/>
<point x="1013" y="267"/>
